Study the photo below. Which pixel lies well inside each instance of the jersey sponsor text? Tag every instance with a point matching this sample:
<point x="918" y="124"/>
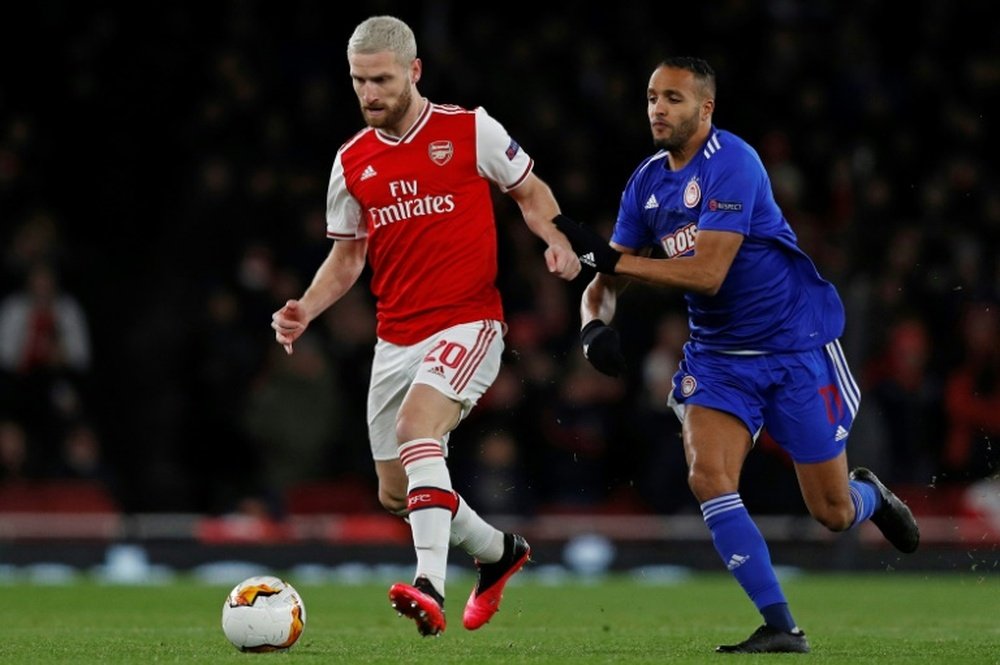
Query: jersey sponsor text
<point x="409" y="204"/>
<point x="680" y="241"/>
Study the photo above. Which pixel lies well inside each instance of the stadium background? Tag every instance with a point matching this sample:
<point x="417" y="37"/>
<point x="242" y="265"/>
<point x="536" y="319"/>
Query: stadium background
<point x="170" y="162"/>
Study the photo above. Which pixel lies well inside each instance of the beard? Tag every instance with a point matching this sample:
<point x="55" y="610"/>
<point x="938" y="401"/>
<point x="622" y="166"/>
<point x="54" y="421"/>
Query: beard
<point x="681" y="134"/>
<point x="393" y="113"/>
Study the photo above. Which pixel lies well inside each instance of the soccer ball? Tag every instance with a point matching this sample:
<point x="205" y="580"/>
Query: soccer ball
<point x="263" y="613"/>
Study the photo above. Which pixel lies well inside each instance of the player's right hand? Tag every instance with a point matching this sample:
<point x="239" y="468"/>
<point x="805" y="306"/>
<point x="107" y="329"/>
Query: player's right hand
<point x="562" y="261"/>
<point x="289" y="323"/>
<point x="602" y="347"/>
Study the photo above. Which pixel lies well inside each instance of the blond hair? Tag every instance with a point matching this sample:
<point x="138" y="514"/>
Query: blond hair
<point x="384" y="33"/>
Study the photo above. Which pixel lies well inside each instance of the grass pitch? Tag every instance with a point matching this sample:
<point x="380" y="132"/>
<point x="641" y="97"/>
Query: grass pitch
<point x="879" y="618"/>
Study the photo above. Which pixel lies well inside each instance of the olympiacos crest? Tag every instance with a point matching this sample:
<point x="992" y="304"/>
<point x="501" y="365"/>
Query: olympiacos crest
<point x="692" y="194"/>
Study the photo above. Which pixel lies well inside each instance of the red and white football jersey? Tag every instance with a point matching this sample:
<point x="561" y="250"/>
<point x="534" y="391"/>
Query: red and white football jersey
<point x="423" y="201"/>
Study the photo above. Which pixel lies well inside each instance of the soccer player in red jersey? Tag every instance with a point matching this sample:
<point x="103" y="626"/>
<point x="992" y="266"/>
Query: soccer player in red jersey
<point x="410" y="194"/>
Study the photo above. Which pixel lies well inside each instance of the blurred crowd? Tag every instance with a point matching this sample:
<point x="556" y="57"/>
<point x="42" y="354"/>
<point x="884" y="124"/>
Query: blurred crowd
<point x="163" y="173"/>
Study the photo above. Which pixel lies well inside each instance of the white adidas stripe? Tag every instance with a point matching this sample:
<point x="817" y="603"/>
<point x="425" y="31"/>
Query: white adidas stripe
<point x="848" y="388"/>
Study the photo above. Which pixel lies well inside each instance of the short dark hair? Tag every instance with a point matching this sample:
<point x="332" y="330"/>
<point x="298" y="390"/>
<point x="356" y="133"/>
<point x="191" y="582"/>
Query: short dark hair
<point x="700" y="68"/>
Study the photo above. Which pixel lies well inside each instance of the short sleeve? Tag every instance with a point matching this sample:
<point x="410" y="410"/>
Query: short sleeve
<point x="731" y="188"/>
<point x="499" y="157"/>
<point x="631" y="230"/>
<point x="343" y="212"/>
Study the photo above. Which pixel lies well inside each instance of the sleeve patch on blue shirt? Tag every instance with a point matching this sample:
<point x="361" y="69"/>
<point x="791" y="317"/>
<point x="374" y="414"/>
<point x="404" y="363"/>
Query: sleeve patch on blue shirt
<point x="725" y="206"/>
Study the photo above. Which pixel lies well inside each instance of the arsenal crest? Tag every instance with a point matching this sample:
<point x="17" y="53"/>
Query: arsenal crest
<point x="440" y="152"/>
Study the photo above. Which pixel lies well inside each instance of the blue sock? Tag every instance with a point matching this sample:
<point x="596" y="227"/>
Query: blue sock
<point x="866" y="500"/>
<point x="743" y="550"/>
<point x="779" y="616"/>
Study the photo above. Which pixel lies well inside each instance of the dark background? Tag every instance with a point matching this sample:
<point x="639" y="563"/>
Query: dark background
<point x="170" y="160"/>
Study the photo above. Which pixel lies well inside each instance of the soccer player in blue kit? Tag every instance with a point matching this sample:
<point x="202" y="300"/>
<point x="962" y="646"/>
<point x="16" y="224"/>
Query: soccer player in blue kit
<point x="764" y="329"/>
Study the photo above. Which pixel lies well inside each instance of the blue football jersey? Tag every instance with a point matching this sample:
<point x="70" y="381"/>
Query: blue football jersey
<point x="773" y="299"/>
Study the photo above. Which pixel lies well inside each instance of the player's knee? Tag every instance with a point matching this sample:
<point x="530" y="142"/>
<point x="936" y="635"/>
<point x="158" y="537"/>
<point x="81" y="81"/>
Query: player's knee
<point x="410" y="427"/>
<point x="836" y="518"/>
<point x="405" y="429"/>
<point x="706" y="484"/>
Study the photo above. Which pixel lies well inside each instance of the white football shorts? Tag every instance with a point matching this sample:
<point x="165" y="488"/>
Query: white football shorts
<point x="461" y="362"/>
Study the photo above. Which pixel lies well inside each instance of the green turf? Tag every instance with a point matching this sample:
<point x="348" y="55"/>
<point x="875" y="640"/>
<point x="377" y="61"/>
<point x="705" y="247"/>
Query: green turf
<point x="875" y="618"/>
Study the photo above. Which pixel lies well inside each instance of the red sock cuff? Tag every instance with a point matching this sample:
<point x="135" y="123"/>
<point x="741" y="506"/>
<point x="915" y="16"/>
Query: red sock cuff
<point x="420" y="498"/>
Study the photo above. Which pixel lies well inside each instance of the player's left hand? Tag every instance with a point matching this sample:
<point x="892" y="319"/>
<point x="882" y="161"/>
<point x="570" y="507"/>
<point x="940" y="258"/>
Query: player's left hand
<point x="562" y="261"/>
<point x="289" y="323"/>
<point x="591" y="248"/>
<point x="603" y="348"/>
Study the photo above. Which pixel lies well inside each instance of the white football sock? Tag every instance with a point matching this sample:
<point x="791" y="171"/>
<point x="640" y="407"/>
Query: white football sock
<point x="475" y="535"/>
<point x="423" y="460"/>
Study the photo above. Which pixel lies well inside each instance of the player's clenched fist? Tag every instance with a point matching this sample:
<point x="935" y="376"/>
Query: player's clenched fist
<point x="562" y="261"/>
<point x="602" y="347"/>
<point x="289" y="323"/>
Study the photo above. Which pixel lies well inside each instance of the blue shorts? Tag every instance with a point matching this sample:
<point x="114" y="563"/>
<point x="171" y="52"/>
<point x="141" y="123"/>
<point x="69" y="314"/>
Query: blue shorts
<point x="807" y="400"/>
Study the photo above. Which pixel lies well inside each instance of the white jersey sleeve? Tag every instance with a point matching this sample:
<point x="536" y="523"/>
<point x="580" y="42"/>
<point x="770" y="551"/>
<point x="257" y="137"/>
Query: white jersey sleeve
<point x="499" y="157"/>
<point x="343" y="212"/>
